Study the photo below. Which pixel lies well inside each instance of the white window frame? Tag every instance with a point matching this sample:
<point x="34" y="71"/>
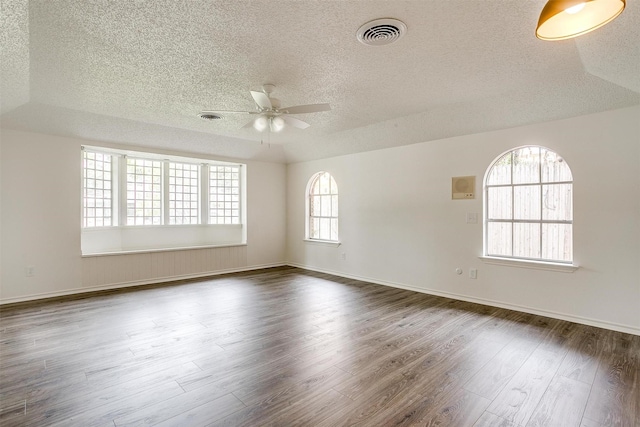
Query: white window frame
<point x="86" y="197"/>
<point x="309" y="217"/>
<point x="232" y="192"/>
<point x="168" y="217"/>
<point x="122" y="237"/>
<point x="539" y="263"/>
<point x="162" y="200"/>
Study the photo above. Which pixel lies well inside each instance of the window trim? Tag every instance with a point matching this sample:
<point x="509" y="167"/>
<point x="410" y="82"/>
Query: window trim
<point x="148" y="251"/>
<point x="307" y="234"/>
<point x="124" y="195"/>
<point x="539" y="263"/>
<point x="334" y="243"/>
<point x="120" y="238"/>
<point x="119" y="186"/>
<point x="83" y="197"/>
<point x="240" y="196"/>
<point x="529" y="263"/>
<point x="168" y="194"/>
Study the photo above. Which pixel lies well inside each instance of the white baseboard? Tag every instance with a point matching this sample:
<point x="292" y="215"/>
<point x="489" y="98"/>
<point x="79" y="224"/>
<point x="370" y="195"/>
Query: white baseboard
<point x="493" y="303"/>
<point x="153" y="281"/>
<point x="556" y="315"/>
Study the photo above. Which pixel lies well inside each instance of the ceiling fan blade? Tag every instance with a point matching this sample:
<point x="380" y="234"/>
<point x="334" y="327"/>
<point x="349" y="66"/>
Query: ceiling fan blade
<point x="250" y="124"/>
<point x="296" y="123"/>
<point x="262" y="100"/>
<point x="301" y="109"/>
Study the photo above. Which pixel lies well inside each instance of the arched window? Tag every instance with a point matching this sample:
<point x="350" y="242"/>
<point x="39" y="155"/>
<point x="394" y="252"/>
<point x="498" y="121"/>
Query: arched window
<point x="322" y="208"/>
<point x="528" y="206"/>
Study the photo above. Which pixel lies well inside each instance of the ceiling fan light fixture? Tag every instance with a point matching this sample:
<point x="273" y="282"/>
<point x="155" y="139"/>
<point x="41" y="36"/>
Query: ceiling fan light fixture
<point x="269" y="115"/>
<point x="260" y="123"/>
<point x="277" y="123"/>
<point x="565" y="19"/>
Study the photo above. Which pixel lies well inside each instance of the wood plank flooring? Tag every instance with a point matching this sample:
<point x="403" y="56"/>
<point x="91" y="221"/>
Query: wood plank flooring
<point x="288" y="347"/>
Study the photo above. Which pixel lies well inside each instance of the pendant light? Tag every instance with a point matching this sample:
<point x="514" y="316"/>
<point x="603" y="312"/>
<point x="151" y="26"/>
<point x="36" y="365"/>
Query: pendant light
<point x="564" y="19"/>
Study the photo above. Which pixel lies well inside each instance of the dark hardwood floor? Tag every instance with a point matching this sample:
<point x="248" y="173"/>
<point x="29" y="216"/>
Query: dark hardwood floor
<point x="288" y="347"/>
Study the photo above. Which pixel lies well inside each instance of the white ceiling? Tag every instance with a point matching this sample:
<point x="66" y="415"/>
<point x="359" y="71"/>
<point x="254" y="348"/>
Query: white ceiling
<point x="138" y="72"/>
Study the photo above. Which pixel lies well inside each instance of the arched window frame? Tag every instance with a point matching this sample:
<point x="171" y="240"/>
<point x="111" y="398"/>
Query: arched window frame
<point x="321" y="220"/>
<point x="527" y="198"/>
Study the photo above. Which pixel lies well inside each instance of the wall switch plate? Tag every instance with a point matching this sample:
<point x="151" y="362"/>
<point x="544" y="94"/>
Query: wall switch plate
<point x="473" y="273"/>
<point x="472" y="217"/>
<point x="343" y="256"/>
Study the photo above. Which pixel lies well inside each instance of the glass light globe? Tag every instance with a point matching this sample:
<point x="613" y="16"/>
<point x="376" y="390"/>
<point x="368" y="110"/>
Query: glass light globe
<point x="260" y="124"/>
<point x="278" y="124"/>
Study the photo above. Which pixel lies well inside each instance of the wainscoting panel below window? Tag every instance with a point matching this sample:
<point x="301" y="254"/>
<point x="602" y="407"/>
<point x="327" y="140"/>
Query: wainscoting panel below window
<point x="148" y="267"/>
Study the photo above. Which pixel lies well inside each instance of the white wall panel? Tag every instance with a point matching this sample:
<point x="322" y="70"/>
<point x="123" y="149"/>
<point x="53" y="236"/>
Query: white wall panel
<point x="40" y="223"/>
<point x="399" y="226"/>
<point x="101" y="271"/>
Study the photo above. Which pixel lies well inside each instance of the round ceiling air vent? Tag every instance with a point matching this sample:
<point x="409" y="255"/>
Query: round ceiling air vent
<point x="381" y="32"/>
<point x="209" y="116"/>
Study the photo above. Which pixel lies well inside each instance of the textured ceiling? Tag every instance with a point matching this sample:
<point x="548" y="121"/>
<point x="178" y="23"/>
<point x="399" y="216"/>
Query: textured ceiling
<point x="138" y="72"/>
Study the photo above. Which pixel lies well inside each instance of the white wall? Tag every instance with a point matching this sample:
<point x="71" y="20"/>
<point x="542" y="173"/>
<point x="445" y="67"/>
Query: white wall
<point x="399" y="226"/>
<point x="40" y="222"/>
<point x="1" y="192"/>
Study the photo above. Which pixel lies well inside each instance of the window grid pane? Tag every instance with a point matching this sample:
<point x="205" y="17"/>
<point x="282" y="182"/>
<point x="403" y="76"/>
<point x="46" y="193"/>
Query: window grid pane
<point x="526" y="165"/>
<point x="556" y="242"/>
<point x="529" y="206"/>
<point x="526" y="202"/>
<point x="554" y="168"/>
<point x="323" y="208"/>
<point x="526" y="240"/>
<point x="183" y="193"/>
<point x="499" y="202"/>
<point x="500" y="239"/>
<point x="97" y="190"/>
<point x="224" y="195"/>
<point x="144" y="192"/>
<point x="557" y="202"/>
<point x="501" y="171"/>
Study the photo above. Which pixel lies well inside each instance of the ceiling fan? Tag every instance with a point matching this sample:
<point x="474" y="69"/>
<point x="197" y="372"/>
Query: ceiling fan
<point x="270" y="116"/>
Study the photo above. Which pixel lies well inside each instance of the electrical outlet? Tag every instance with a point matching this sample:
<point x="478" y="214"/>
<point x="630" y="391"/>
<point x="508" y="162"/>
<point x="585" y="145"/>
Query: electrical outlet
<point x="473" y="273"/>
<point x="29" y="271"/>
<point x="343" y="256"/>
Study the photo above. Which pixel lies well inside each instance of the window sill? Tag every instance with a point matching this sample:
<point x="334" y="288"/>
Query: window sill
<point x="536" y="265"/>
<point x="323" y="242"/>
<point x="145" y="251"/>
<point x="136" y="239"/>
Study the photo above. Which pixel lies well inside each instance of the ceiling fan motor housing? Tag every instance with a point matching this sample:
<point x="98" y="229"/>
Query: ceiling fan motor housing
<point x="275" y="103"/>
<point x="268" y="88"/>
